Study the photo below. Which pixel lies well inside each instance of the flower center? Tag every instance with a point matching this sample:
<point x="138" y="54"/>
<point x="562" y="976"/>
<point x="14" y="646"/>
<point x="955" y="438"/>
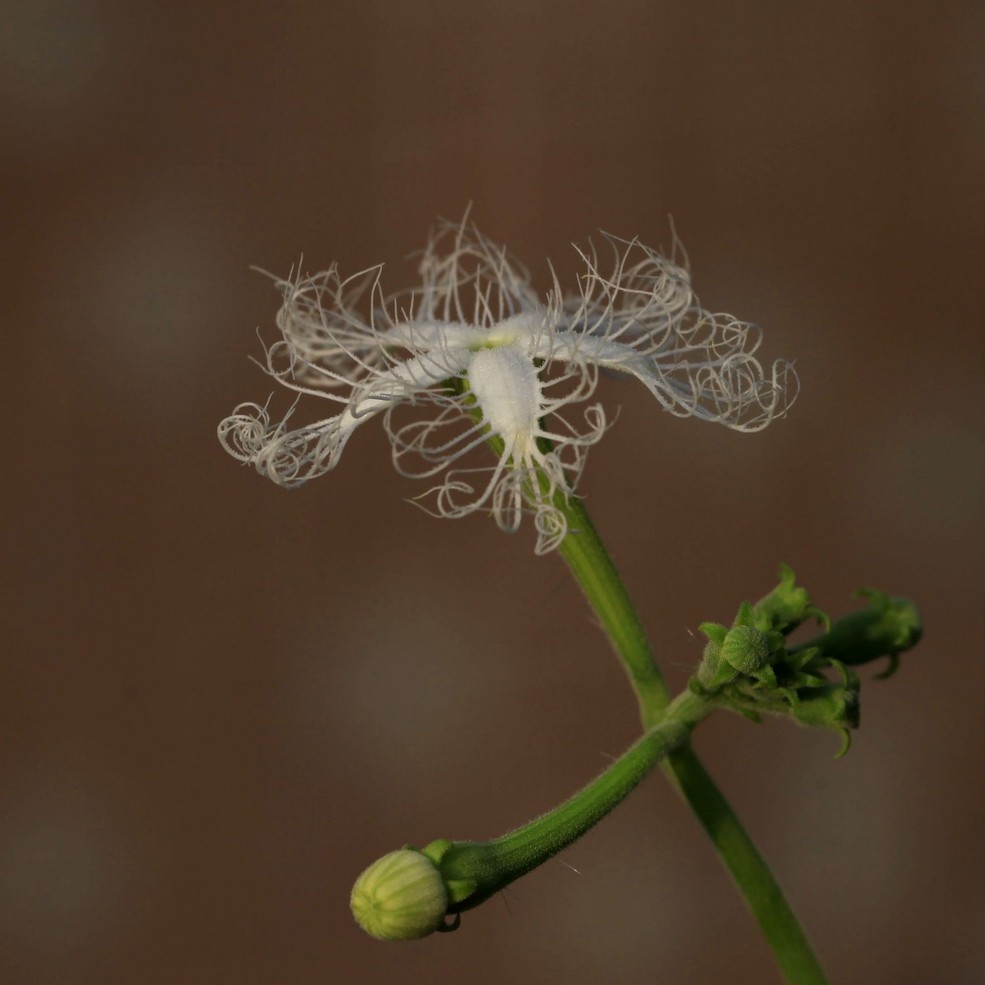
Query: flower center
<point x="508" y="391"/>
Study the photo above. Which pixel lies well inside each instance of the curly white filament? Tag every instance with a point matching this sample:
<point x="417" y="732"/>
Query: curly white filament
<point x="473" y="352"/>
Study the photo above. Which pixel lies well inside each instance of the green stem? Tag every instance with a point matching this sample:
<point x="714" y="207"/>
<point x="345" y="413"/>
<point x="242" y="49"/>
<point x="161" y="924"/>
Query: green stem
<point x="595" y="573"/>
<point x="473" y="871"/>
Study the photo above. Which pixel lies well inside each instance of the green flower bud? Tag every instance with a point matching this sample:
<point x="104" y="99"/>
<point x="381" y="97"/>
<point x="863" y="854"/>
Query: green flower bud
<point x="400" y="897"/>
<point x="885" y="628"/>
<point x="746" y="648"/>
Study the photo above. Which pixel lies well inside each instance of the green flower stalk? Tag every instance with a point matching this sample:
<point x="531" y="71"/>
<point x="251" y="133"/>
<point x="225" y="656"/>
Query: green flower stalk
<point x="409" y="893"/>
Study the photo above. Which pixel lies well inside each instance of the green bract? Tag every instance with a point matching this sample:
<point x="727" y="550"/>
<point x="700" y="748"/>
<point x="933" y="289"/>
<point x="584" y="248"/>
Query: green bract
<point x="787" y="606"/>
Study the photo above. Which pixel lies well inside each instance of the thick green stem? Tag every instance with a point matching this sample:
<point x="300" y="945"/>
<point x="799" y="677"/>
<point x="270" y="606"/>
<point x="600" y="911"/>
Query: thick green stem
<point x="595" y="573"/>
<point x="483" y="868"/>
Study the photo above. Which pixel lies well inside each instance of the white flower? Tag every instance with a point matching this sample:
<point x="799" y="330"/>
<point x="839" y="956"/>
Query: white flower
<point x="474" y="354"/>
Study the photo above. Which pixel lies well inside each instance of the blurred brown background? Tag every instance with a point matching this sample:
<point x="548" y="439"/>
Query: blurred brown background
<point x="220" y="700"/>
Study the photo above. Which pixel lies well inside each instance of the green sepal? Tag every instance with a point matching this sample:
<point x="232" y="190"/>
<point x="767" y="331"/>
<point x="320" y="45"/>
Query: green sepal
<point x="802" y="680"/>
<point x="452" y="922"/>
<point x="833" y="706"/>
<point x="715" y="632"/>
<point x="822" y="617"/>
<point x="891" y="667"/>
<point x="460" y="890"/>
<point x="809" y="658"/>
<point x="724" y="674"/>
<point x="785" y="607"/>
<point x="746" y="616"/>
<point x="848" y="678"/>
<point x="765" y="678"/>
<point x="712" y="672"/>
<point x="435" y="850"/>
<point x="790" y="693"/>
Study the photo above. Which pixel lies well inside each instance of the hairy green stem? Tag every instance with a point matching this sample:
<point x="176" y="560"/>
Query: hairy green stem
<point x="473" y="871"/>
<point x="595" y="573"/>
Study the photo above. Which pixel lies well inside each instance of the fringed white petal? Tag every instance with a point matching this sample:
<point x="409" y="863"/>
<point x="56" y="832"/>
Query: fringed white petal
<point x="473" y="354"/>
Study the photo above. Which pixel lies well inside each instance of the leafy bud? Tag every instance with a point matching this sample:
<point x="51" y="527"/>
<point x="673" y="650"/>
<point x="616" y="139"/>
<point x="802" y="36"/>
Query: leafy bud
<point x="400" y="897"/>
<point x="885" y="628"/>
<point x="784" y="608"/>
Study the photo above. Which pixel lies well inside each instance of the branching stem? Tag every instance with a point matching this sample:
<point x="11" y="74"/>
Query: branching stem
<point x="595" y="573"/>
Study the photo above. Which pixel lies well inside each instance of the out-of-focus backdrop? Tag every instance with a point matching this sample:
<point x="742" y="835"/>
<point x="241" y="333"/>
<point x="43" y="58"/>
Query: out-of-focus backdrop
<point x="220" y="700"/>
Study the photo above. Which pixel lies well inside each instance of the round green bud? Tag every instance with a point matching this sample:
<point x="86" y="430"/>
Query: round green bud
<point x="400" y="897"/>
<point x="745" y="648"/>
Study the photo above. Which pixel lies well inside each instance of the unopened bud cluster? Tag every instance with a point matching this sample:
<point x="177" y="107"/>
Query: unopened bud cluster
<point x="749" y="667"/>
